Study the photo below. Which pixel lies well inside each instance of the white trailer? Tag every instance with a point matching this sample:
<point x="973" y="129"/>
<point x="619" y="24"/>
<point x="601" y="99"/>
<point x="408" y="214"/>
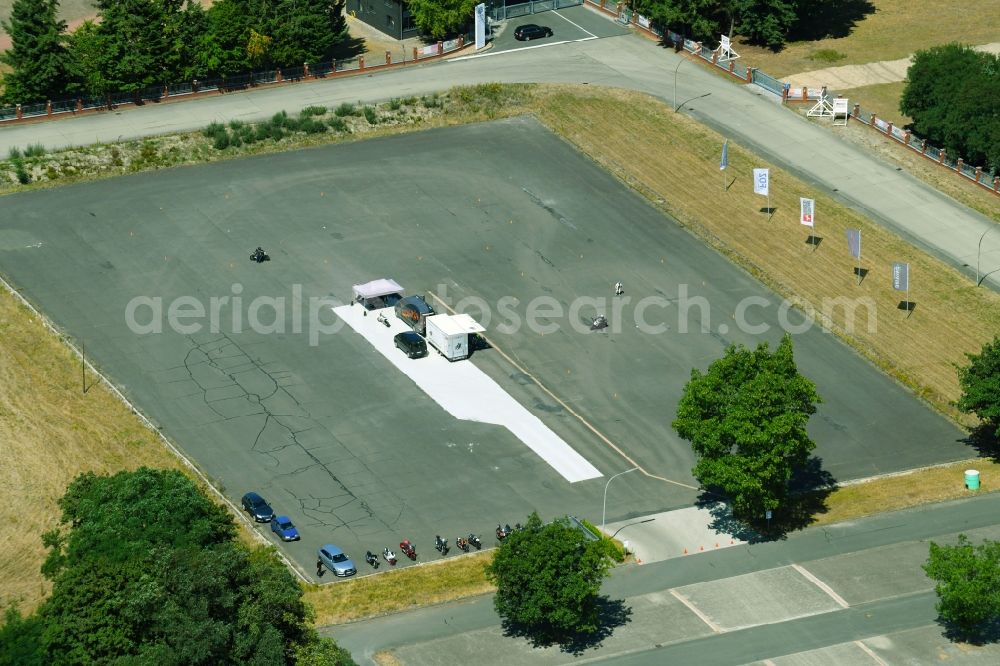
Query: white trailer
<point x="449" y="334"/>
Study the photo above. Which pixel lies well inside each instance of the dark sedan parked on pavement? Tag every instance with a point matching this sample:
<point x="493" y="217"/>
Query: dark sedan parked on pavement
<point x="530" y="31"/>
<point x="257" y="507"/>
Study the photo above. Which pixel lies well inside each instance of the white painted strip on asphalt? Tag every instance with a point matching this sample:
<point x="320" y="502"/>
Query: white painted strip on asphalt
<point x="523" y="48"/>
<point x="576" y="24"/>
<point x="871" y="654"/>
<point x="691" y="607"/>
<point x="821" y="585"/>
<point x="468" y="393"/>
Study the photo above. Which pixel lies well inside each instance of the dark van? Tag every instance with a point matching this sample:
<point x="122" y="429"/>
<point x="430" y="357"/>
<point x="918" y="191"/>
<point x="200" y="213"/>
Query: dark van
<point x="411" y="344"/>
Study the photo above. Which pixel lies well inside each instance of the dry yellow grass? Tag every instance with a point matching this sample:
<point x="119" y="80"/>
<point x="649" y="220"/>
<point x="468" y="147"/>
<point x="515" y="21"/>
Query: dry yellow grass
<point x="50" y="432"/>
<point x="403" y="589"/>
<point x="882" y="99"/>
<point x="669" y="157"/>
<point x="896" y="29"/>
<point x="899" y="492"/>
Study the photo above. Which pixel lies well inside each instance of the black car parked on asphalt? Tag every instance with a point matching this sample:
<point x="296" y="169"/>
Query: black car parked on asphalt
<point x="530" y="31"/>
<point x="257" y="507"/>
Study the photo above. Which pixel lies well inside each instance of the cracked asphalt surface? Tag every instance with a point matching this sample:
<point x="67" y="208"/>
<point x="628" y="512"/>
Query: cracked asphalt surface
<point x="331" y="434"/>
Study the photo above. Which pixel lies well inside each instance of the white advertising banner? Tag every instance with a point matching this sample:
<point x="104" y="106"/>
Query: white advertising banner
<point x="840" y="105"/>
<point x="725" y="43"/>
<point x="900" y="276"/>
<point x="806" y="208"/>
<point x="480" y="25"/>
<point x="760" y="181"/>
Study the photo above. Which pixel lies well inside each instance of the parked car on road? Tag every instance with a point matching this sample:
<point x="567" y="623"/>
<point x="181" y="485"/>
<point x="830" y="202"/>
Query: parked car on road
<point x="283" y="527"/>
<point x="257" y="507"/>
<point x="530" y="31"/>
<point x="337" y="561"/>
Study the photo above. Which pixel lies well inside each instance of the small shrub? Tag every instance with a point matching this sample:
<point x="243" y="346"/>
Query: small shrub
<point x="312" y="111"/>
<point x="148" y="152"/>
<point x="213" y="130"/>
<point x="236" y="124"/>
<point x="827" y="55"/>
<point x="14" y="154"/>
<point x="34" y="150"/>
<point x="279" y="119"/>
<point x="431" y="102"/>
<point x="21" y="172"/>
<point x="395" y="103"/>
<point x="221" y="141"/>
<point x="312" y="126"/>
<point x="247" y="134"/>
<point x="345" y="109"/>
<point x="263" y="132"/>
<point x="370" y="115"/>
<point x="410" y="101"/>
<point x="116" y="157"/>
<point x="338" y="124"/>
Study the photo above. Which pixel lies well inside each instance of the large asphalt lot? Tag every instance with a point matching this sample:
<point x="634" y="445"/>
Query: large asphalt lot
<point x="331" y="433"/>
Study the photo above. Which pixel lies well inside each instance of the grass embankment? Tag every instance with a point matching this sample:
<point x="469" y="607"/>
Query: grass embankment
<point x="405" y="588"/>
<point x="896" y="29"/>
<point x="666" y="157"/>
<point x="50" y="431"/>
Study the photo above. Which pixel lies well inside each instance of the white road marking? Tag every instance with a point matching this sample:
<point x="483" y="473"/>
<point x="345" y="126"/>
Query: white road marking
<point x="870" y="653"/>
<point x="821" y="585"/>
<point x="691" y="607"/>
<point x="576" y="24"/>
<point x="523" y="48"/>
<point x="468" y="393"/>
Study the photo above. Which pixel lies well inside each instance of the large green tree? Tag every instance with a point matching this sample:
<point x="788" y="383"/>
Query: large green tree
<point x="765" y="22"/>
<point x="980" y="383"/>
<point x="746" y="420"/>
<point x="968" y="583"/>
<point x="441" y="18"/>
<point x="39" y="61"/>
<point x="548" y="578"/>
<point x="307" y="32"/>
<point x="148" y="570"/>
<point x="951" y="93"/>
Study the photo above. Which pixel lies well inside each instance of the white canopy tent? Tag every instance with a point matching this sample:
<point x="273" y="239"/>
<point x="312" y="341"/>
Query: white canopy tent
<point x="379" y="293"/>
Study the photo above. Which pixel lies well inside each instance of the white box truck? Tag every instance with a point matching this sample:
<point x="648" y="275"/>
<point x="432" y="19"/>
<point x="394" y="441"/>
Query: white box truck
<point x="449" y="334"/>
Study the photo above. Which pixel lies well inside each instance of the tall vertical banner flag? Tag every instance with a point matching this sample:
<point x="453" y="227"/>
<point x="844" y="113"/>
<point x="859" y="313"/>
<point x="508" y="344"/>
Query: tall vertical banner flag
<point x="854" y="242"/>
<point x="806" y="207"/>
<point x="480" y="25"/>
<point x="760" y="181"/>
<point x="900" y="276"/>
<point x="724" y="162"/>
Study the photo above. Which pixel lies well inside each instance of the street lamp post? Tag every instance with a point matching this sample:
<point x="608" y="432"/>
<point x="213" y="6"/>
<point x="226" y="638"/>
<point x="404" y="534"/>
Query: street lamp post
<point x="979" y="251"/>
<point x="683" y="60"/>
<point x="604" y="511"/>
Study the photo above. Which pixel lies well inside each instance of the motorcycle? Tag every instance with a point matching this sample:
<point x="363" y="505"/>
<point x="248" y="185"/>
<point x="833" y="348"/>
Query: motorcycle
<point x="508" y="529"/>
<point x="389" y="556"/>
<point x="441" y="545"/>
<point x="474" y="541"/>
<point x="371" y="559"/>
<point x="408" y="549"/>
<point x="382" y="319"/>
<point x="501" y="533"/>
<point x="462" y="544"/>
<point x="259" y="256"/>
<point x="600" y="322"/>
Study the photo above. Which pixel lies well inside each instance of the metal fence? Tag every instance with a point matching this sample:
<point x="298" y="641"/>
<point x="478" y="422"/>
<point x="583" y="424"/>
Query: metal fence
<point x="504" y="12"/>
<point x="110" y="100"/>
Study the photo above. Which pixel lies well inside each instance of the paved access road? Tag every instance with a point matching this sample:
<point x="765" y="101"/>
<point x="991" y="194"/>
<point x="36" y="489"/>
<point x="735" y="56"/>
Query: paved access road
<point x="745" y="114"/>
<point x="848" y="593"/>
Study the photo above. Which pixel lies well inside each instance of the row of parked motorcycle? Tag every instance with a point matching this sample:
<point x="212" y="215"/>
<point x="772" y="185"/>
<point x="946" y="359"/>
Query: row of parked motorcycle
<point x="465" y="544"/>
